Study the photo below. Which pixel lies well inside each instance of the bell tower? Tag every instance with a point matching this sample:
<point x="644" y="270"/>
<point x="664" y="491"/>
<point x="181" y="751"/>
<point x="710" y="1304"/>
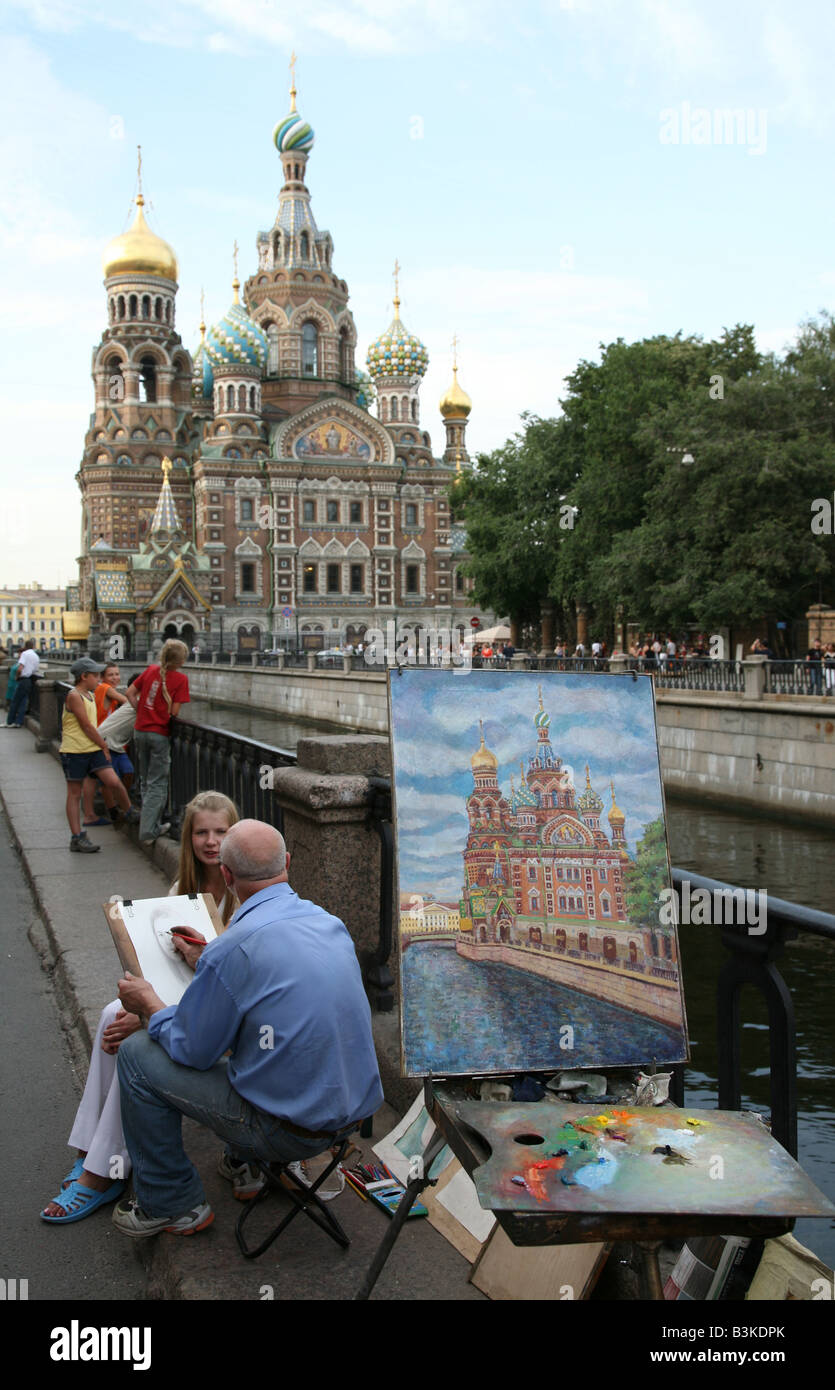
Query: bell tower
<point x="142" y="377"/>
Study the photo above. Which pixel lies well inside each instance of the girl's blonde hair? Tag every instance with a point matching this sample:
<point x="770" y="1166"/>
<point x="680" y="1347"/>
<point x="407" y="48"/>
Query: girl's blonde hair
<point x="188" y="874"/>
<point x="174" y="654"/>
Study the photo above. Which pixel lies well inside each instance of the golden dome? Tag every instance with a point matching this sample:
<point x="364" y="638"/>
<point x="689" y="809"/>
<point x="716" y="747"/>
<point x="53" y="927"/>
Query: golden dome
<point x="139" y="252"/>
<point x="616" y="816"/>
<point x="482" y="759"/>
<point x="455" y="402"/>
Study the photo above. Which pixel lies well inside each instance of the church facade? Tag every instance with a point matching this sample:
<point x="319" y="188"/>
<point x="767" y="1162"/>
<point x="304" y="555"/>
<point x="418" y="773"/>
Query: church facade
<point x="246" y="497"/>
<point x="541" y="872"/>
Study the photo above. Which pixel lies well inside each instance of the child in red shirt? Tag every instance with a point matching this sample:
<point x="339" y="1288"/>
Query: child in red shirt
<point x="158" y="694"/>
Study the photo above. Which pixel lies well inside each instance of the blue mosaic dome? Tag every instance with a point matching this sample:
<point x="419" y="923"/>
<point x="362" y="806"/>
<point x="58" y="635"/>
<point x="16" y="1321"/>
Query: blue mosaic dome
<point x="293" y="133"/>
<point x="397" y="352"/>
<point x="202" y="376"/>
<point x="236" y="340"/>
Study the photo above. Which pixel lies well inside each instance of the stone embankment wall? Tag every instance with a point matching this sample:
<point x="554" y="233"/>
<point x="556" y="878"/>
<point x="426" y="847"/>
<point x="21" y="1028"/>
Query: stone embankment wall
<point x="658" y="999"/>
<point x="775" y="755"/>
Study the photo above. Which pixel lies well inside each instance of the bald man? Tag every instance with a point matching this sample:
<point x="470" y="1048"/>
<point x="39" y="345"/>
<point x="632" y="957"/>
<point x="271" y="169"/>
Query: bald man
<point x="281" y="991"/>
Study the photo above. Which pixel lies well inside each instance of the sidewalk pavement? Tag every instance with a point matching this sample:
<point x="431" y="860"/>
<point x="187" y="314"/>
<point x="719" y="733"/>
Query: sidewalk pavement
<point x="69" y="890"/>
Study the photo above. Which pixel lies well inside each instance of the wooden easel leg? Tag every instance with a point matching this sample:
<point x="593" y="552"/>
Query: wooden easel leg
<point x="404" y="1206"/>
<point x="650" y="1273"/>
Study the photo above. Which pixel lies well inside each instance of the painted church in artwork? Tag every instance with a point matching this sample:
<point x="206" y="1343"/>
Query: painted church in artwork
<point x="540" y="869"/>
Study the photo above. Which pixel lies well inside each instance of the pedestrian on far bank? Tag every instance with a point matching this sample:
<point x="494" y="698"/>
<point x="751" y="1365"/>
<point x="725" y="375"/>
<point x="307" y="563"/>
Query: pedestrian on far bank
<point x="27" y="668"/>
<point x="814" y="657"/>
<point x="84" y="753"/>
<point x="161" y="689"/>
<point x="829" y="667"/>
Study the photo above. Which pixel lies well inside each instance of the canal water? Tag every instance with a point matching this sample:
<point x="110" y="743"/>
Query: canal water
<point x="791" y="861"/>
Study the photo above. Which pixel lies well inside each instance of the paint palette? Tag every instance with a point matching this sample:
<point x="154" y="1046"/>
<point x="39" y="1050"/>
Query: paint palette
<point x="571" y="1159"/>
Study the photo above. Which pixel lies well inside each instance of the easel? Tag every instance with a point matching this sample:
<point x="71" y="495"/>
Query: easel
<point x="474" y="1130"/>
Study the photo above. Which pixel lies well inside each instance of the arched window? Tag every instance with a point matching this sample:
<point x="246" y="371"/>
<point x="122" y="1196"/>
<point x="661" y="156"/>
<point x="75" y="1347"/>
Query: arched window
<point x="404" y="408"/>
<point x="272" y="349"/>
<point x="414" y="411"/>
<point x="148" y="380"/>
<point x="344" y="356"/>
<point x="242" y="398"/>
<point x="168" y="311"/>
<point x="158" y="309"/>
<point x="534" y="902"/>
<point x="133" y="306"/>
<point x="394" y="407"/>
<point x="310" y="349"/>
<point x="562" y="902"/>
<point x="304" y="246"/>
<point x="633" y="953"/>
<point x="559" y="940"/>
<point x="146" y="306"/>
<point x="583" y="942"/>
<point x="277" y="246"/>
<point x="230" y="398"/>
<point x="252" y="398"/>
<point x="121" y="306"/>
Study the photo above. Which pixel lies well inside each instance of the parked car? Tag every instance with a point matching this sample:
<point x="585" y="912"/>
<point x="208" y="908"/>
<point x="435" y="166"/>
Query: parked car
<point x="331" y="656"/>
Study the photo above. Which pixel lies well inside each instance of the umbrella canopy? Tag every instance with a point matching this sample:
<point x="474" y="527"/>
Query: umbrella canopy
<point x="501" y="633"/>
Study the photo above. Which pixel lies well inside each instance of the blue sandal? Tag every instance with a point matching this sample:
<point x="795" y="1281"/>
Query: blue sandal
<point x="75" y="1172"/>
<point x="87" y="1196"/>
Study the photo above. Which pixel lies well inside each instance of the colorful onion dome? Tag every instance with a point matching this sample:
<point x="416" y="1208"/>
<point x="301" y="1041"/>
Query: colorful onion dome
<point x="455" y="402"/>
<point x="589" y="801"/>
<point x="541" y="719"/>
<point x="293" y="134"/>
<point x="397" y="352"/>
<point x="482" y="759"/>
<point x="139" y="252"/>
<point x="616" y="816"/>
<point x="237" y="339"/>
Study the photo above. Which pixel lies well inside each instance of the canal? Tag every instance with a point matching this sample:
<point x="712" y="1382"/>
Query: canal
<point x="788" y="860"/>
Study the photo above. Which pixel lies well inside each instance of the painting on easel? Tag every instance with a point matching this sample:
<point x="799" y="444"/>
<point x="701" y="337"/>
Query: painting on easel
<point x="535" y="933"/>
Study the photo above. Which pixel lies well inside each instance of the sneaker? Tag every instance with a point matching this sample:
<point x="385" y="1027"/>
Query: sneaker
<point x="80" y="844"/>
<point x="131" y="1220"/>
<point x="247" y="1180"/>
<point x="131" y="817"/>
<point x="302" y="1171"/>
<point x="163" y="830"/>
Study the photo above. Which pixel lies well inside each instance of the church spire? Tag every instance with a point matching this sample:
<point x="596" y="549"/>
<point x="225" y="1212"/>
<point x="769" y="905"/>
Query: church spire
<point x="166" y="519"/>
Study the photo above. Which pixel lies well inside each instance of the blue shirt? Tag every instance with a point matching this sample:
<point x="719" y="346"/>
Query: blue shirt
<point x="282" y="989"/>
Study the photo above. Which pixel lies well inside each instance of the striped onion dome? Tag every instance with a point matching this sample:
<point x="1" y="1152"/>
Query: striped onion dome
<point x="293" y="133"/>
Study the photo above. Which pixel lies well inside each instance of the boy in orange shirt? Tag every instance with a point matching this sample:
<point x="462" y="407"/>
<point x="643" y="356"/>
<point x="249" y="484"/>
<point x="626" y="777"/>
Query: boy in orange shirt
<point x="107" y="699"/>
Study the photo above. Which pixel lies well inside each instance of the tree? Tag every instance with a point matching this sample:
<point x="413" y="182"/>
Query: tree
<point x="646" y="876"/>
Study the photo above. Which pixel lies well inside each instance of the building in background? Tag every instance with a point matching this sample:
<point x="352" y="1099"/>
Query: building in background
<point x="287" y="513"/>
<point x="30" y="611"/>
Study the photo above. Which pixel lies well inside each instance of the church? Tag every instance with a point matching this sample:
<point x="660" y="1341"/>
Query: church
<point x="246" y="497"/>
<point x="541" y="872"/>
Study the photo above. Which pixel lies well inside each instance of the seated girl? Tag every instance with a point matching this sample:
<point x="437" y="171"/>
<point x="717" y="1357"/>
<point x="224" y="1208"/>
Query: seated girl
<point x="97" y="1131"/>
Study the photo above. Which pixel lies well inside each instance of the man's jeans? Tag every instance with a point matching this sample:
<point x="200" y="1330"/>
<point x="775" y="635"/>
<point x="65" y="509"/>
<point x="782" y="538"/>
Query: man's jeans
<point x="157" y="1092"/>
<point x="20" y="701"/>
<point x="153" y="754"/>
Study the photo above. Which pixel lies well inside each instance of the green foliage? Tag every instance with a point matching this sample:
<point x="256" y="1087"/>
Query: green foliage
<point x="646" y="876"/>
<point x="720" y="540"/>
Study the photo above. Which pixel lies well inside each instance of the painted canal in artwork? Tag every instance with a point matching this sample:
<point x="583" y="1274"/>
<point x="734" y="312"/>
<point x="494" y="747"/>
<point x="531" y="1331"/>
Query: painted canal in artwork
<point x="481" y="1005"/>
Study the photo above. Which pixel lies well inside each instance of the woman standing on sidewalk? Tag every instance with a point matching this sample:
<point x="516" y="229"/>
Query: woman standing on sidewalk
<point x="97" y="1131"/>
<point x="161" y="689"/>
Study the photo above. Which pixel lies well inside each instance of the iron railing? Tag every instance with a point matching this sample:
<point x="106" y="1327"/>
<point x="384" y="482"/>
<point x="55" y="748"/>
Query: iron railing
<point x="800" y="678"/>
<point x="204" y="758"/>
<point x="751" y="960"/>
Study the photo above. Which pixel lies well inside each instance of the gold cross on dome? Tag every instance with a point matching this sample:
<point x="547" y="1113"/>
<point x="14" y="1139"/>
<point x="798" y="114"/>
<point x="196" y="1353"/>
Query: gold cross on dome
<point x="235" y="258"/>
<point x="455" y="352"/>
<point x="166" y="467"/>
<point x="292" y="66"/>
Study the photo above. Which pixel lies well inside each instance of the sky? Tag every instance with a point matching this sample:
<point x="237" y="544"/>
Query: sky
<point x="435" y="729"/>
<point x="550" y="175"/>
